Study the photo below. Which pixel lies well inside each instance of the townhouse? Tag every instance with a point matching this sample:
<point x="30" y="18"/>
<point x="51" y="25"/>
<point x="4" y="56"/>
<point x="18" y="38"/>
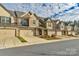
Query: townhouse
<point x="30" y="24"/>
<point x="27" y="22"/>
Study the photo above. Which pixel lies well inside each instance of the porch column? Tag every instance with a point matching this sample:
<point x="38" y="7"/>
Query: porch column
<point x="37" y="31"/>
<point x="42" y="32"/>
<point x="17" y="32"/>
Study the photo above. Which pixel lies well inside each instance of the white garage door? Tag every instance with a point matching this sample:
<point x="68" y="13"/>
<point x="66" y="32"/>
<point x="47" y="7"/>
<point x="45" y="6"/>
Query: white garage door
<point x="7" y="32"/>
<point x="26" y="32"/>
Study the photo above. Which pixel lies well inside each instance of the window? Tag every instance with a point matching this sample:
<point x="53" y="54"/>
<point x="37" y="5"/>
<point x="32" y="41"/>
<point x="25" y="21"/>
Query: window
<point x="8" y="20"/>
<point x="23" y="22"/>
<point x="4" y="19"/>
<point x="34" y="22"/>
<point x="49" y="24"/>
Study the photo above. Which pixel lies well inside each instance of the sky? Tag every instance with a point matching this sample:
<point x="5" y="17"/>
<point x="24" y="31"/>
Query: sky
<point x="63" y="11"/>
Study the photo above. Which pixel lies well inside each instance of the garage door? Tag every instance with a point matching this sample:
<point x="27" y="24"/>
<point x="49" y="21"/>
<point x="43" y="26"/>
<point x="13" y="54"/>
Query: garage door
<point x="26" y="32"/>
<point x="7" y="32"/>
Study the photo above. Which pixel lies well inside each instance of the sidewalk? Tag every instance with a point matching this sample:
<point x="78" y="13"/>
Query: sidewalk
<point x="9" y="42"/>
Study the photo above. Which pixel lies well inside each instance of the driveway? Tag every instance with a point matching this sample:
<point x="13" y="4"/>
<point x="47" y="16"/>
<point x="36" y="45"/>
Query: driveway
<point x="62" y="48"/>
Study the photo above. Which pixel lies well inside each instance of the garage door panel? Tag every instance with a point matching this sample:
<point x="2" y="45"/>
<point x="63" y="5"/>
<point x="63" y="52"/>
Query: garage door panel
<point x="6" y="32"/>
<point x="26" y="32"/>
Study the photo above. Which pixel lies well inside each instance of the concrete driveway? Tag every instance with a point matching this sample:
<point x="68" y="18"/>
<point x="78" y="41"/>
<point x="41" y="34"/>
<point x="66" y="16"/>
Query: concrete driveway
<point x="6" y="42"/>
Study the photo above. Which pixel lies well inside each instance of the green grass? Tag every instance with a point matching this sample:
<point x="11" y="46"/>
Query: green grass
<point x="21" y="39"/>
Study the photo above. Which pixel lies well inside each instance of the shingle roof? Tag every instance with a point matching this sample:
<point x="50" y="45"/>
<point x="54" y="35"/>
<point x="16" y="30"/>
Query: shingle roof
<point x="19" y="13"/>
<point x="12" y="13"/>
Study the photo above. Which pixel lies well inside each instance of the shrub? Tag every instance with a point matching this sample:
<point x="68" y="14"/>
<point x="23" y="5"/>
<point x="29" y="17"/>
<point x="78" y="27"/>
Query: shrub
<point x="44" y="36"/>
<point x="70" y="34"/>
<point x="53" y="35"/>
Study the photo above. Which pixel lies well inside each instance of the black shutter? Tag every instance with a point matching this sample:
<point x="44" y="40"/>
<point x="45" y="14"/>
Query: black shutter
<point x="9" y="20"/>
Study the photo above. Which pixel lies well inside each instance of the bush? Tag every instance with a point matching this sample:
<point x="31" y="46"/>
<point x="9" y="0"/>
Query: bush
<point x="70" y="34"/>
<point x="45" y="36"/>
<point x="53" y="35"/>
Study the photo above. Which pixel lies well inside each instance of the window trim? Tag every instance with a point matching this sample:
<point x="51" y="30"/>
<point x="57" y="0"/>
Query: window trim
<point x="5" y="19"/>
<point x="49" y="24"/>
<point x="34" y="22"/>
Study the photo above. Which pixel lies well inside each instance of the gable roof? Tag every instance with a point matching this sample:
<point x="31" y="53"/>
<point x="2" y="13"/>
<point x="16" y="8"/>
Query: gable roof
<point x="16" y="13"/>
<point x="5" y="8"/>
<point x="12" y="13"/>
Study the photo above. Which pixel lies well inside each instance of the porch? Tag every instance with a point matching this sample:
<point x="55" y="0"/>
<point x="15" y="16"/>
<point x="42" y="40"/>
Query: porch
<point x="39" y="31"/>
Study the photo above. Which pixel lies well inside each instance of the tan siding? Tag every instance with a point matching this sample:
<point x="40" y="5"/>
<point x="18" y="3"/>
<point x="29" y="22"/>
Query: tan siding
<point x="32" y="17"/>
<point x="12" y="20"/>
<point x="47" y="24"/>
<point x="3" y="12"/>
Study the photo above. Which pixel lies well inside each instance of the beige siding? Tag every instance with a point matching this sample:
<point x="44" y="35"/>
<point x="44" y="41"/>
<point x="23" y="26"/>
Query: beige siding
<point x="49" y="27"/>
<point x="62" y="26"/>
<point x="47" y="24"/>
<point x="12" y="19"/>
<point x="32" y="17"/>
<point x="3" y="12"/>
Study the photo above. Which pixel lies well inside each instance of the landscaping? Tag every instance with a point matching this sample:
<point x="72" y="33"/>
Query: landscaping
<point x="53" y="37"/>
<point x="21" y="39"/>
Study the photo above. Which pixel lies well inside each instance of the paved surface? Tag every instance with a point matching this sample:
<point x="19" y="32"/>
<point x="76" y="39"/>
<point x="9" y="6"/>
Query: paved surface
<point x="6" y="42"/>
<point x="70" y="47"/>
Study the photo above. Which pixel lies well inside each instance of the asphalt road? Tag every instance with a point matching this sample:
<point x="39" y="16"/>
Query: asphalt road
<point x="63" y="48"/>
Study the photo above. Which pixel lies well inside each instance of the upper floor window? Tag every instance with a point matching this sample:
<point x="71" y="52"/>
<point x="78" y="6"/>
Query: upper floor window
<point x="24" y="22"/>
<point x="8" y="20"/>
<point x="34" y="22"/>
<point x="49" y="24"/>
<point x="4" y="19"/>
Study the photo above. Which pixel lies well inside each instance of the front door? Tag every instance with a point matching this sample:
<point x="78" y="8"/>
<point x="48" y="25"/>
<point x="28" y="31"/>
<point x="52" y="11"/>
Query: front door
<point x="40" y="32"/>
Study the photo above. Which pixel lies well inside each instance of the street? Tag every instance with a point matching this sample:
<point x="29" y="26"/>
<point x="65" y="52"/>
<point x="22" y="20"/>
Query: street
<point x="62" y="48"/>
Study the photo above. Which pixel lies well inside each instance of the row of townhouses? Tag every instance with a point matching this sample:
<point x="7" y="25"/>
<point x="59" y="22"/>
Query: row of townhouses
<point x="32" y="24"/>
